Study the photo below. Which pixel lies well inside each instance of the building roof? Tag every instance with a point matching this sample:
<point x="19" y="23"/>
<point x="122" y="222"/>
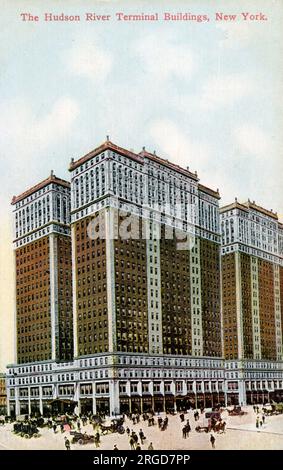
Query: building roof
<point x="245" y="206"/>
<point x="107" y="145"/>
<point x="254" y="206"/>
<point x="51" y="179"/>
<point x="233" y="205"/>
<point x="170" y="165"/>
<point x="209" y="191"/>
<point x="179" y="169"/>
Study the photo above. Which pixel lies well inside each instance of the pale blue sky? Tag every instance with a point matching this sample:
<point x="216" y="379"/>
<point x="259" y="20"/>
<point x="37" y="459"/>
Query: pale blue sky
<point x="205" y="95"/>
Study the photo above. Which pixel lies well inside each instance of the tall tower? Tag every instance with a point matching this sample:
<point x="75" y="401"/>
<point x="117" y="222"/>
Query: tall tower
<point x="139" y="288"/>
<point x="252" y="264"/>
<point x="43" y="272"/>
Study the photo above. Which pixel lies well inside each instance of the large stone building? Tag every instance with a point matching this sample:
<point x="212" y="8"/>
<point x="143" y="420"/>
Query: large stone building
<point x="141" y="289"/>
<point x="252" y="285"/>
<point x="146" y="291"/>
<point x="133" y="280"/>
<point x="43" y="273"/>
<point x="147" y="327"/>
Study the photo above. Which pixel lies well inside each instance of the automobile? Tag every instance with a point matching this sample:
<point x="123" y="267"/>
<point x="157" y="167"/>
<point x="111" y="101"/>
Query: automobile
<point x="81" y="438"/>
<point x="25" y="429"/>
<point x="236" y="411"/>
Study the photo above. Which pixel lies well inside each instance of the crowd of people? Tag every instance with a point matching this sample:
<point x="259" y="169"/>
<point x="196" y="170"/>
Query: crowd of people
<point x="71" y="424"/>
<point x="138" y="440"/>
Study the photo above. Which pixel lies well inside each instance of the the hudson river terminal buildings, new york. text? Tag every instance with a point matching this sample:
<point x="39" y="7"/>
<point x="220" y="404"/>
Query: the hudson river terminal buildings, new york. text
<point x="139" y="324"/>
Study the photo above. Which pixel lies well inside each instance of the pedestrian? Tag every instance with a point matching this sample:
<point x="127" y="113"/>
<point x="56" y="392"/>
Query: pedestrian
<point x="62" y="427"/>
<point x="257" y="422"/>
<point x="67" y="444"/>
<point x="128" y="431"/>
<point x="115" y="447"/>
<point x="54" y="427"/>
<point x="138" y="447"/>
<point x="263" y="419"/>
<point x="184" y="431"/>
<point x="142" y="436"/>
<point x="260" y="423"/>
<point x="212" y="440"/>
<point x="132" y="443"/>
<point x="150" y="447"/>
<point x="97" y="439"/>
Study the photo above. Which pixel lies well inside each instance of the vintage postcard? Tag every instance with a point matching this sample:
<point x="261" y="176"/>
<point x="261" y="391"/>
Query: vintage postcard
<point x="141" y="240"/>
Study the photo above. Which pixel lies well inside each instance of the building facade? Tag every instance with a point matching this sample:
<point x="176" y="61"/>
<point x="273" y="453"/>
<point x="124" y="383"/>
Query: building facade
<point x="146" y="291"/>
<point x="146" y="257"/>
<point x="126" y="300"/>
<point x="3" y="394"/>
<point x="158" y="259"/>
<point x="116" y="383"/>
<point x="252" y="267"/>
<point x="43" y="272"/>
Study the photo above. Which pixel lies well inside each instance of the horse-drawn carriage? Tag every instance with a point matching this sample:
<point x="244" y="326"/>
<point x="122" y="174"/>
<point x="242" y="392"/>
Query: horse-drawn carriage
<point x="214" y="423"/>
<point x="218" y="426"/>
